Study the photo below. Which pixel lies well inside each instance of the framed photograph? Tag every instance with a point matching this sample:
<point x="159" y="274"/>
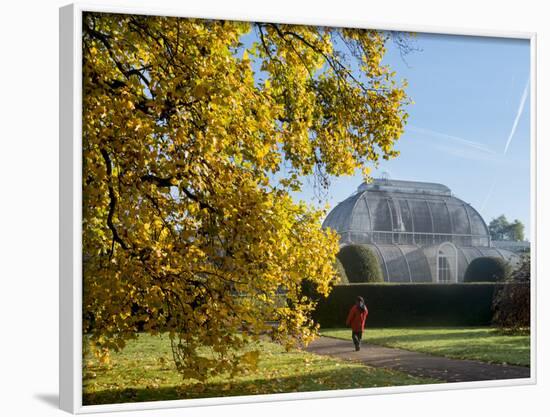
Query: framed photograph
<point x="258" y="209"/>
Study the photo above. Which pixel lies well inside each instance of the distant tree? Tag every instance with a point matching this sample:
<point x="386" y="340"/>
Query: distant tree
<point x="516" y="231"/>
<point x="501" y="229"/>
<point x="497" y="227"/>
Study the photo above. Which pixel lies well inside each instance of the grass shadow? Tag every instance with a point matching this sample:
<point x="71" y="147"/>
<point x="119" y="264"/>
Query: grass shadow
<point x="427" y="337"/>
<point x="345" y="378"/>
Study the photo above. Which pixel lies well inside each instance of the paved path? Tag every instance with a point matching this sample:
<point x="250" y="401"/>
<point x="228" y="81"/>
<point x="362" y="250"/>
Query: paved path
<point x="414" y="363"/>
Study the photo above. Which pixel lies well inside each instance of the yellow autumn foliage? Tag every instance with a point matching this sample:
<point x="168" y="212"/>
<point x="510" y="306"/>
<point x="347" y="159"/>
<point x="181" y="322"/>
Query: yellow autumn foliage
<point x="185" y="128"/>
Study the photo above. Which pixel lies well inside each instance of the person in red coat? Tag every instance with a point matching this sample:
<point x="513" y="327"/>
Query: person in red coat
<point x="356" y="320"/>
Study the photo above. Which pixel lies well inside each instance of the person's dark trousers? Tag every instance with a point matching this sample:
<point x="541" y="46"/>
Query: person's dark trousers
<point x="356" y="337"/>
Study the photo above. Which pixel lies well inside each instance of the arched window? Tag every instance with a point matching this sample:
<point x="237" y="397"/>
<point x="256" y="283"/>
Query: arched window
<point x="443" y="268"/>
<point x="446" y="263"/>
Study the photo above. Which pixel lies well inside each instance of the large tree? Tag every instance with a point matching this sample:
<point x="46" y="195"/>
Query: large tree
<point x="188" y="222"/>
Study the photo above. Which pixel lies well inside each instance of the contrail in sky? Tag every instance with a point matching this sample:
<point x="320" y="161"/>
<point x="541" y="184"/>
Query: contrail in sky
<point x="510" y="136"/>
<point x="445" y="137"/>
<point x="518" y="115"/>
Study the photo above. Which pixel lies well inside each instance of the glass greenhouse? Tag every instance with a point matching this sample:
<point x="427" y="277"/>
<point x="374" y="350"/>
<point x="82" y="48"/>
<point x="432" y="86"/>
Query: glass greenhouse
<point x="419" y="231"/>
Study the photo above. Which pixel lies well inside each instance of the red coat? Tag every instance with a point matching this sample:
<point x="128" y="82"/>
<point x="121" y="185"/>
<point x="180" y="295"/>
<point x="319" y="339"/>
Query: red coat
<point x="356" y="318"/>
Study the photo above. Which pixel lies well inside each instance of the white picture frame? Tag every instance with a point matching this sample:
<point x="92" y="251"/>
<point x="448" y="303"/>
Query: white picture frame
<point x="70" y="208"/>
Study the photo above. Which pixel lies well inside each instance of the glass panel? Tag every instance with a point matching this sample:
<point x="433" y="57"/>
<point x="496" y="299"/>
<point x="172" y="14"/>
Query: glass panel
<point x="360" y="220"/>
<point x="406" y="216"/>
<point x="395" y="219"/>
<point x="461" y="225"/>
<point x="339" y="218"/>
<point x="420" y="269"/>
<point x="380" y="213"/>
<point x="421" y="216"/>
<point x="396" y="263"/>
<point x="478" y="225"/>
<point x="442" y="221"/>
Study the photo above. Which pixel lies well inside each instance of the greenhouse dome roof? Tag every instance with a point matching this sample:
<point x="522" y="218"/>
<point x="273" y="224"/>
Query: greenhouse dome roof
<point x="407" y="212"/>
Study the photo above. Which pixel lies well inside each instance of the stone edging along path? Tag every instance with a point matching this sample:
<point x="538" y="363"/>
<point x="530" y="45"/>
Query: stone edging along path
<point x="415" y="363"/>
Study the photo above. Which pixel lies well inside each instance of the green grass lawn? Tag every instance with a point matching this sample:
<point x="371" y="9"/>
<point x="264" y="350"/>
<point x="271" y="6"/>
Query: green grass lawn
<point x="478" y="343"/>
<point x="144" y="371"/>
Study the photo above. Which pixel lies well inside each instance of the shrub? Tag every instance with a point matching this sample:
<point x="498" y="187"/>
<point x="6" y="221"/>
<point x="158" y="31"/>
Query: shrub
<point x="487" y="269"/>
<point x="512" y="303"/>
<point x="341" y="272"/>
<point x="360" y="264"/>
<point x="523" y="272"/>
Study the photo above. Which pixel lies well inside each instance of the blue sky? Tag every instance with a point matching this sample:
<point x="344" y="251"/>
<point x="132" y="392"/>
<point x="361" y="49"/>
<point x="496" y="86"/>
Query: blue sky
<point x="468" y="127"/>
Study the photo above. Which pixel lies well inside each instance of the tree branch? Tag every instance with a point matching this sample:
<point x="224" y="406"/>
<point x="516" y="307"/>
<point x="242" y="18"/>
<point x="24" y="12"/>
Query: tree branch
<point x="169" y="182"/>
<point x="112" y="204"/>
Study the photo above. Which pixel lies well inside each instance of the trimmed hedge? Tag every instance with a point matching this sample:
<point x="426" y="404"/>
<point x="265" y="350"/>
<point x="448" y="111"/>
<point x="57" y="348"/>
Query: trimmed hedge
<point x="360" y="264"/>
<point x="403" y="305"/>
<point x="487" y="269"/>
